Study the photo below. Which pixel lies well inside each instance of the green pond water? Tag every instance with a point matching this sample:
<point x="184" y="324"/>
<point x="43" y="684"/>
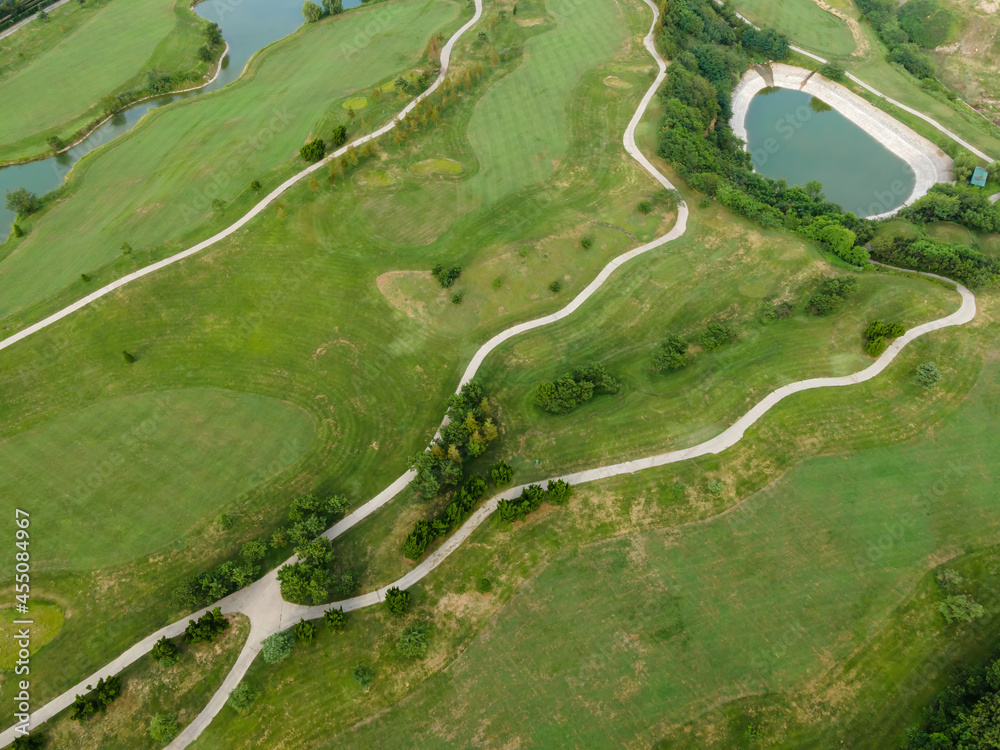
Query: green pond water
<point x="793" y="136"/>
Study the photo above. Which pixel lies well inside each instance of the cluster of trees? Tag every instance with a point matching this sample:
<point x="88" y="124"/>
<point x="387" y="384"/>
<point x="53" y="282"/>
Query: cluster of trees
<point x="207" y="628"/>
<point x="213" y="45"/>
<point x="22" y="202"/>
<point x="308" y="517"/>
<point x="960" y="204"/>
<point x="878" y="334"/>
<point x="446" y="276"/>
<point x="883" y="15"/>
<point x="531" y="499"/>
<point x="426" y="531"/>
<point x="28" y="742"/>
<point x="165" y="652"/>
<point x="575" y="388"/>
<point x="313" y="12"/>
<point x="770" y="43"/>
<point x="971" y="267"/>
<point x="671" y="355"/>
<point x="309" y="578"/>
<point x="97" y="700"/>
<point x="469" y="431"/>
<point x="313" y="151"/>
<point x="716" y="335"/>
<point x="711" y="49"/>
<point x="830" y="295"/>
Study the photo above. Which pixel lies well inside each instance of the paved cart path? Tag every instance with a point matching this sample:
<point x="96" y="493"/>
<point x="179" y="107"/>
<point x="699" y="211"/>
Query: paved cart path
<point x="261" y="602"/>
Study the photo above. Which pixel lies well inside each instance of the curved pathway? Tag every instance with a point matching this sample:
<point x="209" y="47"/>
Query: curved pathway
<point x="262" y="603"/>
<point x="31" y="18"/>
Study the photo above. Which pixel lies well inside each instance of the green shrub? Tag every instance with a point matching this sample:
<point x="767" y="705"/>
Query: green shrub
<point x="165" y="652"/>
<point x="396" y="601"/>
<point x="949" y="578"/>
<point x="446" y="276"/>
<point x="671" y="355"/>
<point x="335" y="620"/>
<point x="877" y="335"/>
<point x="313" y="151"/>
<point x="255" y="185"/>
<point x="278" y="646"/>
<point x="305" y="631"/>
<point x="208" y="627"/>
<point x="960" y="609"/>
<point x="926" y="22"/>
<point x="575" y="388"/>
<point x="18" y="232"/>
<point x="645" y="207"/>
<point x="586" y="242"/>
<point x="412" y="641"/>
<point x="163" y="727"/>
<point x="484" y="585"/>
<point x="456" y="298"/>
<point x="555" y="287"/>
<point x="241" y="698"/>
<point x="501" y="473"/>
<point x="363" y="675"/>
<point x="716" y="335"/>
<point x="705" y="202"/>
<point x="831" y="294"/>
<point x="84" y="277"/>
<point x="129" y="358"/>
<point x="833" y="71"/>
<point x="928" y="375"/>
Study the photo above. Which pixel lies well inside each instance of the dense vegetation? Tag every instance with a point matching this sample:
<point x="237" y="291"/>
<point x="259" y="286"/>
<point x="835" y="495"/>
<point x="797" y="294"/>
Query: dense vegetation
<point x="469" y="431"/>
<point x="885" y="15"/>
<point x="830" y="295"/>
<point x="711" y="49"/>
<point x="98" y="699"/>
<point x="961" y="204"/>
<point x="575" y="388"/>
<point x="531" y="499"/>
<point x="426" y="531"/>
<point x="960" y="262"/>
<point x="877" y="335"/>
<point x="207" y="628"/>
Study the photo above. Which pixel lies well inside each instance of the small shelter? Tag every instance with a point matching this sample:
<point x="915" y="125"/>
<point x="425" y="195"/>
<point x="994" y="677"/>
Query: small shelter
<point x="979" y="177"/>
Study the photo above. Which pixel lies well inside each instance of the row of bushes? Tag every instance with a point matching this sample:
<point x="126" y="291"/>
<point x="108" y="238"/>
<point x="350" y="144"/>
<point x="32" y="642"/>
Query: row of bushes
<point x="531" y="499"/>
<point x="878" y="334"/>
<point x="426" y="531"/>
<point x="971" y="267"/>
<point x="469" y="431"/>
<point x="960" y="204"/>
<point x="575" y="388"/>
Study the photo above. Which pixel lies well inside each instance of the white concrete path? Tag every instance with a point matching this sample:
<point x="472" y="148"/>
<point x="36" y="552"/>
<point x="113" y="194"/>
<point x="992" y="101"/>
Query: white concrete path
<point x="261" y="602"/>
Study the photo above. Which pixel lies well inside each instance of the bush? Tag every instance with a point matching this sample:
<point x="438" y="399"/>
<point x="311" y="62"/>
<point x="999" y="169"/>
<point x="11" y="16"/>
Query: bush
<point x="555" y="287"/>
<point x="27" y="742"/>
<point x="313" y="151"/>
<point x="586" y="242"/>
<point x="241" y="698"/>
<point x="305" y="631"/>
<point x="501" y="473"/>
<point x="833" y="71"/>
<point x="363" y="675"/>
<point x="484" y="585"/>
<point x="959" y="262"/>
<point x="311" y="12"/>
<point x="645" y="207"/>
<point x="255" y="185"/>
<point x="928" y="375"/>
<point x="163" y="727"/>
<point x="558" y="491"/>
<point x="396" y="601"/>
<point x="446" y="276"/>
<point x="949" y="578"/>
<point x="412" y="641"/>
<point x="98" y="699"/>
<point x="339" y="137"/>
<point x="335" y="620"/>
<point x="456" y="298"/>
<point x="18" y="232"/>
<point x="84" y="277"/>
<point x="575" y="388"/>
<point x="877" y="334"/>
<point x="716" y="335"/>
<point x="831" y="294"/>
<point x="876" y="346"/>
<point x="308" y="579"/>
<point x="208" y="627"/>
<point x="705" y="202"/>
<point x="960" y="609"/>
<point x="129" y="358"/>
<point x="22" y="202"/>
<point x="671" y="355"/>
<point x="278" y="647"/>
<point x="165" y="652"/>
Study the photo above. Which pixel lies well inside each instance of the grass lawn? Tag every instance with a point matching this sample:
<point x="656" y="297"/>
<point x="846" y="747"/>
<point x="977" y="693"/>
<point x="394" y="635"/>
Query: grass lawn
<point x="47" y="621"/>
<point x="181" y="691"/>
<point x="292" y="309"/>
<point x="154" y="186"/>
<point x="612" y="622"/>
<point x="184" y="452"/>
<point x="58" y="71"/>
<point x="804" y="22"/>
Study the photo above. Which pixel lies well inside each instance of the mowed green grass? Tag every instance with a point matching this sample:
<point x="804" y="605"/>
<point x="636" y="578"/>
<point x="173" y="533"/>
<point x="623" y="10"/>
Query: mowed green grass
<point x="612" y="622"/>
<point x="511" y="155"/>
<point x="804" y="22"/>
<point x="138" y="471"/>
<point x="59" y="90"/>
<point x="46" y="622"/>
<point x="154" y="186"/>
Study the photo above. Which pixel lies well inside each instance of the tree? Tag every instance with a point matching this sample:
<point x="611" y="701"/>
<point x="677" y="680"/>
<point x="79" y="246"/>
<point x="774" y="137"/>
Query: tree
<point x="55" y="142"/>
<point x="208" y="627"/>
<point x="28" y="742"/>
<point x="305" y="631"/>
<point x="501" y="473"/>
<point x="22" y="202"/>
<point x="396" y="601"/>
<point x="255" y="185"/>
<point x="254" y="550"/>
<point x="163" y="727"/>
<point x="928" y="375"/>
<point x="965" y="165"/>
<point x="218" y="205"/>
<point x="426" y="481"/>
<point x="213" y="34"/>
<point x="241" y="698"/>
<point x="314" y="150"/>
<point x="335" y="620"/>
<point x="833" y="71"/>
<point x="311" y="11"/>
<point x="339" y="137"/>
<point x="412" y="641"/>
<point x="586" y="242"/>
<point x="363" y="675"/>
<point x="277" y="647"/>
<point x="333" y="7"/>
<point x="205" y="54"/>
<point x="165" y="652"/>
<point x="558" y="491"/>
<point x="960" y="609"/>
<point x="671" y="355"/>
<point x="716" y="335"/>
<point x="18" y="232"/>
<point x="128" y="357"/>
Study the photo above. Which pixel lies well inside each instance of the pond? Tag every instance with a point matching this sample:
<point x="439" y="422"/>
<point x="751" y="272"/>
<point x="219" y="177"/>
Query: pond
<point x="247" y="26"/>
<point x="796" y="137"/>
